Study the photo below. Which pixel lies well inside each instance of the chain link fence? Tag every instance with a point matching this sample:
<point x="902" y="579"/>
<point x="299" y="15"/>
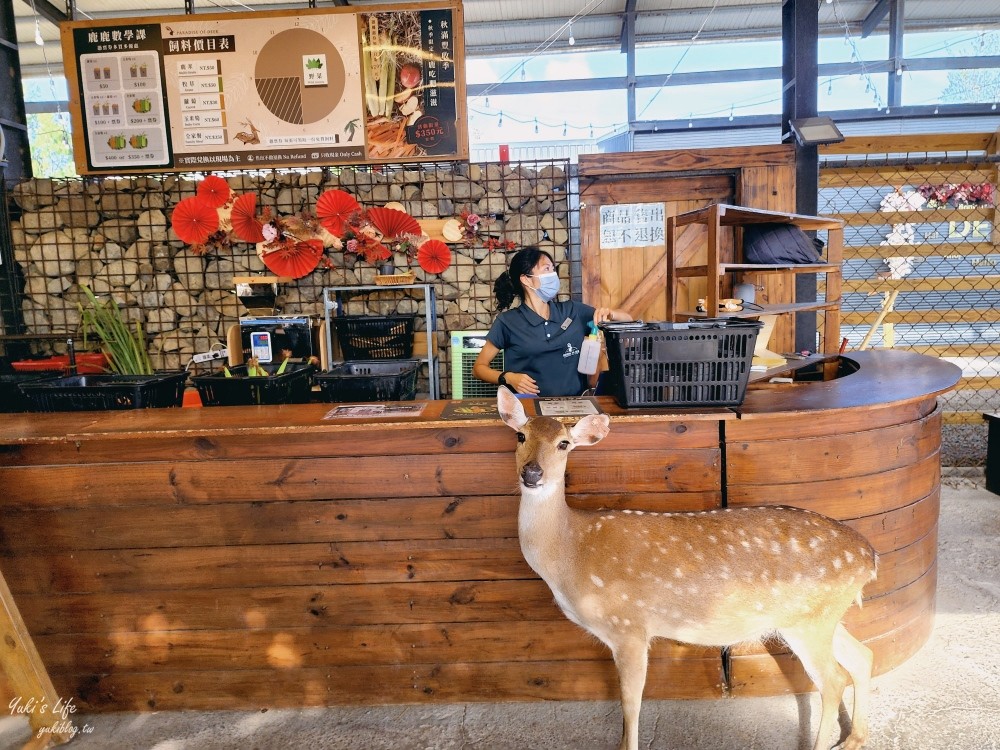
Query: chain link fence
<point x="921" y="267"/>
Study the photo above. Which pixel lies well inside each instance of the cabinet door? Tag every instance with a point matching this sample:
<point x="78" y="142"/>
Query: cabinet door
<point x="634" y="278"/>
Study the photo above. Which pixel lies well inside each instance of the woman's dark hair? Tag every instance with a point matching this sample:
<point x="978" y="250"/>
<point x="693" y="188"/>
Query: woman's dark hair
<point x="508" y="286"/>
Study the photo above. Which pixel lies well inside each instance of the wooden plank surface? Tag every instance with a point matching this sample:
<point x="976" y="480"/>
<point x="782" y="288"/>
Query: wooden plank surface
<point x="683" y="160"/>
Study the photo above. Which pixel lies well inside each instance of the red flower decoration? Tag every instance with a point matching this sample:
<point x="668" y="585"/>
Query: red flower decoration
<point x="214" y="191"/>
<point x="244" y="219"/>
<point x="434" y="256"/>
<point x="194" y="220"/>
<point x="391" y="222"/>
<point x="333" y="208"/>
<point x="294" y="259"/>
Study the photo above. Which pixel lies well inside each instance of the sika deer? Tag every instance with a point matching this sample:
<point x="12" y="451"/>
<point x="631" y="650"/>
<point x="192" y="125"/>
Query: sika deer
<point x="712" y="578"/>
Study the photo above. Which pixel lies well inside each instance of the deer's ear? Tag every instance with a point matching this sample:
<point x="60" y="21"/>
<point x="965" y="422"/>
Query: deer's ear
<point x="591" y="429"/>
<point x="511" y="411"/>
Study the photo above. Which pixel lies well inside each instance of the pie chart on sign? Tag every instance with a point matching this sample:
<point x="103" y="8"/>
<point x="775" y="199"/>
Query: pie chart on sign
<point x="300" y="76"/>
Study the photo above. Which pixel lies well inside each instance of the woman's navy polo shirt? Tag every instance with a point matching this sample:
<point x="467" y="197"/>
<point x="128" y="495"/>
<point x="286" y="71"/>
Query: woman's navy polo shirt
<point x="544" y="349"/>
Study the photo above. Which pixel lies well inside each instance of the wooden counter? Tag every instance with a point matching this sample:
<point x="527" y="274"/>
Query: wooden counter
<point x="260" y="556"/>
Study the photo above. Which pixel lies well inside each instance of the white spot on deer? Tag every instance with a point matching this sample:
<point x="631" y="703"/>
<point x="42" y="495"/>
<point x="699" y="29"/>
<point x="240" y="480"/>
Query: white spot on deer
<point x="614" y="619"/>
<point x="688" y="546"/>
<point x="759" y="606"/>
<point x="758" y="541"/>
<point x="741" y="532"/>
<point x="674" y="538"/>
<point x="639" y="513"/>
<point x="821" y="571"/>
<point x="713" y="539"/>
<point x="657" y="579"/>
<point x="775" y="547"/>
<point x="798" y="578"/>
<point x="626" y="622"/>
<point x="834" y="533"/>
<point x="628" y="570"/>
<point x="590" y="527"/>
<point x="597" y="526"/>
<point x="745" y="544"/>
<point x="597" y="581"/>
<point x="692" y="589"/>
<point x="730" y="549"/>
<point x="699" y="527"/>
<point x="626" y="511"/>
<point x="614" y="559"/>
<point x="837" y="563"/>
<point x="645" y="531"/>
<point x="624" y="597"/>
<point x="640" y="603"/>
<point x="724" y="575"/>
<point x="656" y="559"/>
<point x="849" y="557"/>
<point x="815" y="542"/>
<point x="678" y="573"/>
<point x="864" y="552"/>
<point x="794" y="544"/>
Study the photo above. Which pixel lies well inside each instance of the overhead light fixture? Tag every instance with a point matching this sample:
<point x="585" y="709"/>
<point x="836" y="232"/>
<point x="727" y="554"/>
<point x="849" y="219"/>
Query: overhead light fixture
<point x="38" y="34"/>
<point x="811" y="131"/>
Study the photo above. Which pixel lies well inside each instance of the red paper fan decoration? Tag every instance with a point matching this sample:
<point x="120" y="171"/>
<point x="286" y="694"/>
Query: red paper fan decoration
<point x="194" y="220"/>
<point x="214" y="191"/>
<point x="294" y="259"/>
<point x="333" y="208"/>
<point x="392" y="223"/>
<point x="244" y="219"/>
<point x="434" y="256"/>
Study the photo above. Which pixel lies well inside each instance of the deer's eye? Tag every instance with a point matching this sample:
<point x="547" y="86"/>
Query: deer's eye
<point x="563" y="445"/>
<point x="520" y="437"/>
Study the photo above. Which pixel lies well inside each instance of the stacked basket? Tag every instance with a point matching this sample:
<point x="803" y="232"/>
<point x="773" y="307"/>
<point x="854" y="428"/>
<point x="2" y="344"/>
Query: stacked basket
<point x="378" y="363"/>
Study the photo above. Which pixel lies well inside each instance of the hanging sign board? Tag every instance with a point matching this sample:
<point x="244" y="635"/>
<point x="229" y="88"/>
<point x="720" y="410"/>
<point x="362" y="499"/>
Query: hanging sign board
<point x="268" y="89"/>
<point x="632" y="225"/>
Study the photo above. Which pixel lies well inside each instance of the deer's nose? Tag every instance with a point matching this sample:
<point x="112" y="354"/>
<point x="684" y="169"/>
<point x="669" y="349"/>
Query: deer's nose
<point x="531" y="473"/>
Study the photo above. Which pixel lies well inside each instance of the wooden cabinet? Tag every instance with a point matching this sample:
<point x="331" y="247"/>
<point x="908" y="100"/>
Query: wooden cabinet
<point x="705" y="261"/>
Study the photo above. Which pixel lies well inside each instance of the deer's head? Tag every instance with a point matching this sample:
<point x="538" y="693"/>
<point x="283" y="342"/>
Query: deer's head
<point x="543" y="443"/>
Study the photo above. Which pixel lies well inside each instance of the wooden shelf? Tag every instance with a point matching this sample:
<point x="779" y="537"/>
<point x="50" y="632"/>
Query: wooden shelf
<point x="717" y="266"/>
<point x="790" y="367"/>
<point x="760" y="268"/>
<point x="791" y="307"/>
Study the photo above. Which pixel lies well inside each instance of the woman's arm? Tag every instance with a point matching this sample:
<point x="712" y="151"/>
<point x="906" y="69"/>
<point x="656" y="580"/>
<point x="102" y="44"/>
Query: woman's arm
<point x="607" y="314"/>
<point x="519" y="381"/>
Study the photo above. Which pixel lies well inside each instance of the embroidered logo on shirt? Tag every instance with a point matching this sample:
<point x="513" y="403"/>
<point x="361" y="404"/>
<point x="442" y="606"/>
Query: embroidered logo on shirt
<point x="571" y="351"/>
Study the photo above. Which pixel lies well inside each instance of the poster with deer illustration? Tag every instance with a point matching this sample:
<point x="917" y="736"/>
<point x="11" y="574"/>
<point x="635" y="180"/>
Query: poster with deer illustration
<point x="267" y="89"/>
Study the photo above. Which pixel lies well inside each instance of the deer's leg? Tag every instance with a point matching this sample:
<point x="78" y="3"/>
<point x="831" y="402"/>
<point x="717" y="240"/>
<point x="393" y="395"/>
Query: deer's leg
<point x="856" y="658"/>
<point x="631" y="658"/>
<point x="813" y="645"/>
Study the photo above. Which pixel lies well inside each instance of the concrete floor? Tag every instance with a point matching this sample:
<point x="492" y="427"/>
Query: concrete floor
<point x="947" y="697"/>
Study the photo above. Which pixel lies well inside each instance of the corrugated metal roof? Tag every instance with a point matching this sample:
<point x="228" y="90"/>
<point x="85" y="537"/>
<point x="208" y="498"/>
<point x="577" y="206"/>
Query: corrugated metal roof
<point x="517" y="27"/>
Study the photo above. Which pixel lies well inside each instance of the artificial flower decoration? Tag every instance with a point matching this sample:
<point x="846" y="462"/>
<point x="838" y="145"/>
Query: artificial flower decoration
<point x="294" y="245"/>
<point x="334" y="208"/>
<point x="214" y="191"/>
<point x="194" y="221"/>
<point x="434" y="256"/>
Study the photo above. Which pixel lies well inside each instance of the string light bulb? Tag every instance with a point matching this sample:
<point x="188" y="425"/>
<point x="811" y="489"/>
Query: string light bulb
<point x="829" y="88"/>
<point x="500" y="120"/>
<point x="564" y="128"/>
<point x="522" y="71"/>
<point x="591" y="130"/>
<point x="936" y="110"/>
<point x="572" y="39"/>
<point x="899" y="70"/>
<point x="691" y="120"/>
<point x="536" y="124"/>
<point x="38" y="34"/>
<point x="994" y="106"/>
<point x="487" y="102"/>
<point x="731" y="108"/>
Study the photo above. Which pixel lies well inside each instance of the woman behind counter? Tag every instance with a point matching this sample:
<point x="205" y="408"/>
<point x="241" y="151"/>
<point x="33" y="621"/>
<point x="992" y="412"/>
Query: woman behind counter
<point x="541" y="337"/>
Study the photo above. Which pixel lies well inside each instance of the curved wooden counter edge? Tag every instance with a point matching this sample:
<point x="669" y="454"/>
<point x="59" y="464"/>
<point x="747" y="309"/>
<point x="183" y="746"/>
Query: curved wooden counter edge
<point x="877" y="381"/>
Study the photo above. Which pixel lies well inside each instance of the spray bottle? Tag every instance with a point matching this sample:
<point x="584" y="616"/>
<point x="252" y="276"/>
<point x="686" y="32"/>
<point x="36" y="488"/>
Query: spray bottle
<point x="590" y="352"/>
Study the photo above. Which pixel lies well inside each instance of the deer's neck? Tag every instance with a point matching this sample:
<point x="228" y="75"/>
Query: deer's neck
<point x="544" y="531"/>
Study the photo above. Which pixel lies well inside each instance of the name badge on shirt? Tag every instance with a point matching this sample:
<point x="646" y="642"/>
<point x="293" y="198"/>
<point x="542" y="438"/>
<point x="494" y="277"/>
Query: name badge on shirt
<point x="566" y="323"/>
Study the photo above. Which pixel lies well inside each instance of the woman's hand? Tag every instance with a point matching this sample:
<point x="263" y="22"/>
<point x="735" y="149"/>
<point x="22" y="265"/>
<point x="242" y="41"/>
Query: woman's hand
<point x="522" y="383"/>
<point x="608" y="315"/>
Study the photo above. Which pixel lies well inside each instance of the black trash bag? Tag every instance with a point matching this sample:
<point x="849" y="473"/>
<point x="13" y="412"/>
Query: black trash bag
<point x="778" y="244"/>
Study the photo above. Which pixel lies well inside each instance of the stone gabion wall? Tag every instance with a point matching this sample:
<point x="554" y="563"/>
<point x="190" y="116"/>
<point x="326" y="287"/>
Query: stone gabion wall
<point x="114" y="236"/>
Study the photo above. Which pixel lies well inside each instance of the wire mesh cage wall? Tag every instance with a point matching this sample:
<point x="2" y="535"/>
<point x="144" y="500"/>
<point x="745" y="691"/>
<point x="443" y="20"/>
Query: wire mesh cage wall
<point x="921" y="264"/>
<point x="114" y="236"/>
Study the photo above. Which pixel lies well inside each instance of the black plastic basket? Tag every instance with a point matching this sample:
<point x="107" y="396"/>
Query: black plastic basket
<point x="105" y="392"/>
<point x="370" y="381"/>
<point x="293" y="386"/>
<point x="701" y="363"/>
<point x="11" y="397"/>
<point x="364" y="337"/>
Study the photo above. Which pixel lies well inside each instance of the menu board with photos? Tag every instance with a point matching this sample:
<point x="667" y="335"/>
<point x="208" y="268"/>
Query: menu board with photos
<point x="267" y="89"/>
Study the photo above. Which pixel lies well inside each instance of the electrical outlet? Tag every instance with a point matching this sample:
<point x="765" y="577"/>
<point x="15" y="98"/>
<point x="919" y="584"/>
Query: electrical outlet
<point x="212" y="355"/>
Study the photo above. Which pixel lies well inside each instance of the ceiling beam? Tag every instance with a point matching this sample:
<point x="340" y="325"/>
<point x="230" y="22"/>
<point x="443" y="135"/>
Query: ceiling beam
<point x="627" y="35"/>
<point x="48" y="11"/>
<point x="874" y="17"/>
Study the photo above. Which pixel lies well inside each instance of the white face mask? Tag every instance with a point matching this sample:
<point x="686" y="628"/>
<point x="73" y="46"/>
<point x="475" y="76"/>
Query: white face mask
<point x="548" y="286"/>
